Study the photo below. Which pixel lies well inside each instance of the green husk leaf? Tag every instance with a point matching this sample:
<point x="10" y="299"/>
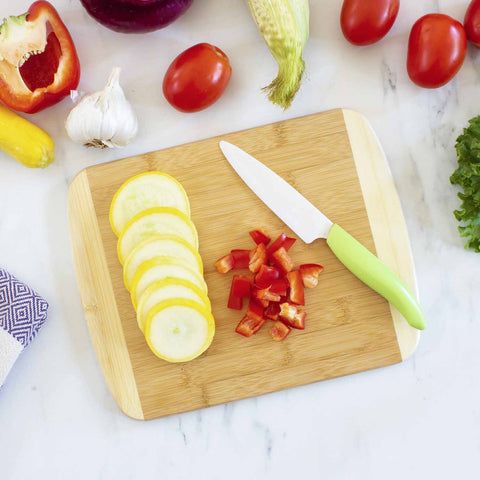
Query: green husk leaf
<point x="467" y="176"/>
<point x="284" y="27"/>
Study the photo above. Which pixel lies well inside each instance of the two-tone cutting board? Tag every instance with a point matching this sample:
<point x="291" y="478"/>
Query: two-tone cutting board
<point x="334" y="160"/>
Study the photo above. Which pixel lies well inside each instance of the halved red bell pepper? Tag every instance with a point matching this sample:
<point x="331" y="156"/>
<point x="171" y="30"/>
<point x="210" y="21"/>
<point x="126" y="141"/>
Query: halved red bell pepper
<point x="241" y="259"/>
<point x="259" y="236"/>
<point x="310" y="273"/>
<point x="225" y="264"/>
<point x="242" y="286"/>
<point x="249" y="325"/>
<point x="258" y="257"/>
<point x="282" y="260"/>
<point x="279" y="331"/>
<point x="38" y="61"/>
<point x="297" y="293"/>
<point x="266" y="275"/>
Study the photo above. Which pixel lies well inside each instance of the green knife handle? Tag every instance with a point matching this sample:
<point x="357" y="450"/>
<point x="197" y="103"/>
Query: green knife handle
<point x="370" y="270"/>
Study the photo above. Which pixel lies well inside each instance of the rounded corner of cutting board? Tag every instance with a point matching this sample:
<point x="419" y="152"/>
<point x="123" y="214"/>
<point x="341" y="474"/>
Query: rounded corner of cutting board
<point x="385" y="215"/>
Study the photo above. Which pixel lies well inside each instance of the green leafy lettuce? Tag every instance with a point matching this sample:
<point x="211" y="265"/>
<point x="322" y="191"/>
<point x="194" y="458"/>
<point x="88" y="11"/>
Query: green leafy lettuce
<point x="467" y="176"/>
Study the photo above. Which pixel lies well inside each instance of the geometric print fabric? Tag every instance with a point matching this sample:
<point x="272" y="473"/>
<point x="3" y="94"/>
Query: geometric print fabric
<point x="22" y="311"/>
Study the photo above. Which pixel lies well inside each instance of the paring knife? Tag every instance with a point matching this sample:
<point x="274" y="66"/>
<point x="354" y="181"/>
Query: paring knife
<point x="309" y="224"/>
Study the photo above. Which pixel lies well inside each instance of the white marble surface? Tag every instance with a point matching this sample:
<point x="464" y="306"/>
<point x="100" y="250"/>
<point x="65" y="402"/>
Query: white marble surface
<point x="420" y="419"/>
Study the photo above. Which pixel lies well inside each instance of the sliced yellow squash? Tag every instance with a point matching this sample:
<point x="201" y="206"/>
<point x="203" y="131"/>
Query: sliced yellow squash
<point x="144" y="191"/>
<point x="160" y="268"/>
<point x="169" y="246"/>
<point x="165" y="290"/>
<point x="179" y="330"/>
<point x="155" y="221"/>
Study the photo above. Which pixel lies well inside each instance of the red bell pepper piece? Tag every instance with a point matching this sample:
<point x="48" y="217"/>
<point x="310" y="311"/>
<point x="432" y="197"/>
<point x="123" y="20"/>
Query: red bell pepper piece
<point x="272" y="311"/>
<point x="241" y="259"/>
<point x="255" y="310"/>
<point x="281" y="241"/>
<point x="310" y="273"/>
<point x="234" y="302"/>
<point x="283" y="260"/>
<point x="287" y="311"/>
<point x="279" y="331"/>
<point x="242" y="286"/>
<point x="279" y="286"/>
<point x="249" y="325"/>
<point x="39" y="63"/>
<point x="266" y="275"/>
<point x="259" y="236"/>
<point x="299" y="320"/>
<point x="258" y="257"/>
<point x="225" y="264"/>
<point x="266" y="295"/>
<point x="297" y="293"/>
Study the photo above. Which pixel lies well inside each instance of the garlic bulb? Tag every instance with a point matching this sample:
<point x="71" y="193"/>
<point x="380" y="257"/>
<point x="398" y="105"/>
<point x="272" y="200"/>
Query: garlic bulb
<point x="103" y="119"/>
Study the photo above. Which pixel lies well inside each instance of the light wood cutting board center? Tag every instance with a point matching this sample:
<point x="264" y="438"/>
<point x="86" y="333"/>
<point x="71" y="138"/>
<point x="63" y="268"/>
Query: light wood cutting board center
<point x="334" y="160"/>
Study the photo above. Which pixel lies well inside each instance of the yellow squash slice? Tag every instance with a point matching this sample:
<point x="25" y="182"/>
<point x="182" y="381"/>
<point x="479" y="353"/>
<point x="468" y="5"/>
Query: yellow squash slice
<point x="169" y="246"/>
<point x="155" y="221"/>
<point x="161" y="268"/>
<point x="179" y="330"/>
<point x="144" y="191"/>
<point x="165" y="290"/>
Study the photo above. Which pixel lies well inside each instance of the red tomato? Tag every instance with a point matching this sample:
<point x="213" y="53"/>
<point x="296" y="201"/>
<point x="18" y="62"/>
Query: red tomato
<point x="367" y="21"/>
<point x="436" y="49"/>
<point x="197" y="78"/>
<point x="472" y="22"/>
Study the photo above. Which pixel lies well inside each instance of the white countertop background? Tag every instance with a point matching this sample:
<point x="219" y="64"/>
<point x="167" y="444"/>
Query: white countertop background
<point x="417" y="420"/>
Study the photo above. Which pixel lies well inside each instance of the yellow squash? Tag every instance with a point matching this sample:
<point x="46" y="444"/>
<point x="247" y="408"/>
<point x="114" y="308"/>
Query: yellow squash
<point x="24" y="141"/>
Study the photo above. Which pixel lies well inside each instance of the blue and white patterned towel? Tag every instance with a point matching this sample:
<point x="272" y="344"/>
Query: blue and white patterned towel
<point x="22" y="314"/>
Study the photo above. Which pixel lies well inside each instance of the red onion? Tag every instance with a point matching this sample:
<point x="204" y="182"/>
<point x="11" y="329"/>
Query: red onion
<point x="136" y="16"/>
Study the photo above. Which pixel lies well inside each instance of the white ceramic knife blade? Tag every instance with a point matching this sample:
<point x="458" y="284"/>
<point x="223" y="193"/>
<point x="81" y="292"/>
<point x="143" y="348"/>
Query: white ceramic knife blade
<point x="294" y="209"/>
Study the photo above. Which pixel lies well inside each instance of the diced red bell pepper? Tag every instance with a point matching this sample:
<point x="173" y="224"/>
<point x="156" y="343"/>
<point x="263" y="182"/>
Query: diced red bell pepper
<point x="281" y="241"/>
<point x="234" y="302"/>
<point x="258" y="257"/>
<point x="297" y="293"/>
<point x="266" y="295"/>
<point x="259" y="236"/>
<point x="241" y="259"/>
<point x="279" y="331"/>
<point x="249" y="325"/>
<point x="225" y="264"/>
<point x="242" y="286"/>
<point x="287" y="311"/>
<point x="255" y="310"/>
<point x="279" y="286"/>
<point x="266" y="275"/>
<point x="283" y="260"/>
<point x="299" y="320"/>
<point x="39" y="63"/>
<point x="310" y="273"/>
<point x="272" y="311"/>
<point x="292" y="316"/>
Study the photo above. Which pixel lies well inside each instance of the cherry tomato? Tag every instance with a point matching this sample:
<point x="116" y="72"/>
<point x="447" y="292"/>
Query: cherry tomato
<point x="197" y="78"/>
<point x="367" y="21"/>
<point x="436" y="50"/>
<point x="472" y="22"/>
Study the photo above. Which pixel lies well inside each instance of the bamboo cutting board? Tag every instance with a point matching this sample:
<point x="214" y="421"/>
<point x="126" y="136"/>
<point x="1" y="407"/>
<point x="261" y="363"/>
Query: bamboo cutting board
<point x="332" y="158"/>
